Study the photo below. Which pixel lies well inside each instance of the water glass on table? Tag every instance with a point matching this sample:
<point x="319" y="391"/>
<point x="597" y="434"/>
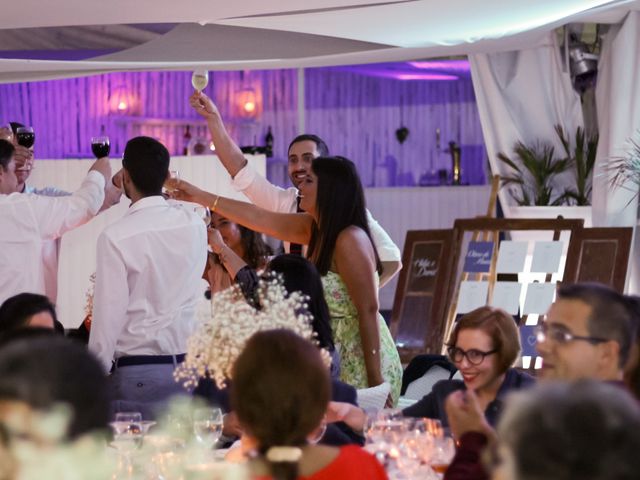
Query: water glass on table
<point x="207" y="426"/>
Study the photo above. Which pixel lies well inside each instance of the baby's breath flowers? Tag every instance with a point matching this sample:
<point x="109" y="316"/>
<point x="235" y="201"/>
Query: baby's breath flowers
<point x="220" y="337"/>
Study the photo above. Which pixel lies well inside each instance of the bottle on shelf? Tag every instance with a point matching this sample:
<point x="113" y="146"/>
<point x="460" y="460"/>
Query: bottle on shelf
<point x="186" y="139"/>
<point x="268" y="142"/>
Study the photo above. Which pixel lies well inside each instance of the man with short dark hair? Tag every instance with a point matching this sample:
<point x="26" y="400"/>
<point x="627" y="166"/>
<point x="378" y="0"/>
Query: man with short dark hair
<point x="302" y="150"/>
<point x="149" y="265"/>
<point x="28" y="310"/>
<point x="586" y="334"/>
<point x="27" y="220"/>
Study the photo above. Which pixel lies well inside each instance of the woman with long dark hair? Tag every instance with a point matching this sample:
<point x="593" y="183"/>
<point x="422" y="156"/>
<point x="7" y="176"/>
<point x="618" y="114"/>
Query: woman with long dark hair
<point x="334" y="226"/>
<point x="280" y="393"/>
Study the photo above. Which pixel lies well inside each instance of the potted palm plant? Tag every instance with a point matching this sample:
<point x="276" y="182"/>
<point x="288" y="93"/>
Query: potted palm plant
<point x="535" y="169"/>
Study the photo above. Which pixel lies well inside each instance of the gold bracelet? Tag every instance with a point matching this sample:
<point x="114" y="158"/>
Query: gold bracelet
<point x="215" y="204"/>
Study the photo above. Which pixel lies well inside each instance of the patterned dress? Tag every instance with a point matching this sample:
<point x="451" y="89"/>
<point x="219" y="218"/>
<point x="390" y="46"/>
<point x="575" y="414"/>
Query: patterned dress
<point x="346" y="333"/>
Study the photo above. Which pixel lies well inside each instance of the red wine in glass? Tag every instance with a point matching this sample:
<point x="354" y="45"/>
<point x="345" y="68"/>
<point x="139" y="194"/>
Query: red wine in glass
<point x="100" y="146"/>
<point x="26" y="136"/>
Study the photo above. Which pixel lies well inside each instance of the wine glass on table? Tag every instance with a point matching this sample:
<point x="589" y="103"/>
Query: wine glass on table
<point x="100" y="146"/>
<point x="200" y="79"/>
<point x="207" y="426"/>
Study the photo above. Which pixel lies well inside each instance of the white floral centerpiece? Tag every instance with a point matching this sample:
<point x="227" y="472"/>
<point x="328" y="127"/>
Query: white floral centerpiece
<point x="222" y="333"/>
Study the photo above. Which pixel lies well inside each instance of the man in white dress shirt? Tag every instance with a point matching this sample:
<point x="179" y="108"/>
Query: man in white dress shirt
<point x="149" y="265"/>
<point x="302" y="150"/>
<point x="27" y="220"/>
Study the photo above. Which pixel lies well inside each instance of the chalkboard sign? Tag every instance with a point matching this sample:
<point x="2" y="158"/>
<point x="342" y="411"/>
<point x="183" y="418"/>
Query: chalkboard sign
<point x="603" y="256"/>
<point x="419" y="308"/>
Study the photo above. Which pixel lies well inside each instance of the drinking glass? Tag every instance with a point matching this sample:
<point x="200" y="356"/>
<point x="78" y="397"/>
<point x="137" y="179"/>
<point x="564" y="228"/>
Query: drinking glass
<point x="200" y="79"/>
<point x="171" y="185"/>
<point x="127" y="429"/>
<point x="100" y="146"/>
<point x="26" y="136"/>
<point x="203" y="213"/>
<point x="207" y="426"/>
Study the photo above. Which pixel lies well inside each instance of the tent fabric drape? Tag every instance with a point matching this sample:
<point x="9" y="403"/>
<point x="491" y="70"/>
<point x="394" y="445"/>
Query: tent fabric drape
<point x="618" y="103"/>
<point x="521" y="95"/>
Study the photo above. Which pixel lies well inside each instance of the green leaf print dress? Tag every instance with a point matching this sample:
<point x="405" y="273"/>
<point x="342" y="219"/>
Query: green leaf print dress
<point x="346" y="334"/>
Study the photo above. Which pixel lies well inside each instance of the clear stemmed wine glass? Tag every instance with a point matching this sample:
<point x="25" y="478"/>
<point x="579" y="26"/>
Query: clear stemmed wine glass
<point x="200" y="79"/>
<point x="207" y="426"/>
<point x="171" y="184"/>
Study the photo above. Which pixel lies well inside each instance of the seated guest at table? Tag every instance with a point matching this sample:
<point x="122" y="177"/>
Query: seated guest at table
<point x="28" y="310"/>
<point x="39" y="370"/>
<point x="234" y="246"/>
<point x="300" y="275"/>
<point x="483" y="345"/>
<point x="280" y="404"/>
<point x="588" y="431"/>
<point x="586" y="335"/>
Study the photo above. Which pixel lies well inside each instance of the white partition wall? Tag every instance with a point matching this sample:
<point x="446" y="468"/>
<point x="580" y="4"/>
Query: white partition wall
<point x="77" y="255"/>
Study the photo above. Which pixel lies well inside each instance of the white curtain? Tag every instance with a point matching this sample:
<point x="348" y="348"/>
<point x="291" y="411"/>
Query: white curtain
<point x="618" y="103"/>
<point x="521" y="95"/>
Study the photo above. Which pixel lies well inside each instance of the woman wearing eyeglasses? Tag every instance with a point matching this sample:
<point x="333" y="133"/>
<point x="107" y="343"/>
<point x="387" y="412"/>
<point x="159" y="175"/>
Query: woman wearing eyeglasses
<point x="483" y="345"/>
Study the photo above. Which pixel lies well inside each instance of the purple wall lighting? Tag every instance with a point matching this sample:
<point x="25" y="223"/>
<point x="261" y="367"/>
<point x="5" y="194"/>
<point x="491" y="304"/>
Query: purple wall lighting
<point x="356" y="110"/>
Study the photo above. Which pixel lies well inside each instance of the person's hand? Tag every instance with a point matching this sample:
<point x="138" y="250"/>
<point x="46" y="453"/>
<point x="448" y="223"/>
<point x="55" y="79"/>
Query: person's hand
<point x="465" y="415"/>
<point x="102" y="166"/>
<point x="179" y="189"/>
<point x="215" y="240"/>
<point x="23" y="157"/>
<point x="203" y="105"/>
<point x="117" y="180"/>
<point x="112" y="195"/>
<point x="353" y="416"/>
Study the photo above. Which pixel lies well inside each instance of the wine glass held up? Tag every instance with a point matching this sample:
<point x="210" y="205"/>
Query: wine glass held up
<point x="200" y="79"/>
<point x="100" y="146"/>
<point x="26" y="136"/>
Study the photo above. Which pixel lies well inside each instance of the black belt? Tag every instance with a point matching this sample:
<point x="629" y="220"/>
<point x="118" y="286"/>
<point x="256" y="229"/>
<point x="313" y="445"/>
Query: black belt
<point x="131" y="360"/>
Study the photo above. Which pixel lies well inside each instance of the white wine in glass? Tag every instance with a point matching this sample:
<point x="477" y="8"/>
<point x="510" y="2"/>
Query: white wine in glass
<point x="200" y="79"/>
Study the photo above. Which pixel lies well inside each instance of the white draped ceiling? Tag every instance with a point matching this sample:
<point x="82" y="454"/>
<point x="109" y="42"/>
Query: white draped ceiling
<point x="43" y="40"/>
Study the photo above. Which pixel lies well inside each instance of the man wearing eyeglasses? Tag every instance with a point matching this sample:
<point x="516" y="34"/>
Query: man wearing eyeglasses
<point x="587" y="334"/>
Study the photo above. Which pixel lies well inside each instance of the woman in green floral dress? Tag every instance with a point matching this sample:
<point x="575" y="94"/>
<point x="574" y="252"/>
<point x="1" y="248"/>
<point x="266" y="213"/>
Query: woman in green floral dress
<point x="334" y="225"/>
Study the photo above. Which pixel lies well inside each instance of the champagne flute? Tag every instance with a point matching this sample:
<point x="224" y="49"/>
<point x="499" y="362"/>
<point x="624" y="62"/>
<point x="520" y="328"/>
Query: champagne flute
<point x="171" y="184"/>
<point x="100" y="146"/>
<point x="207" y="426"/>
<point x="203" y="213"/>
<point x="200" y="79"/>
<point x="26" y="136"/>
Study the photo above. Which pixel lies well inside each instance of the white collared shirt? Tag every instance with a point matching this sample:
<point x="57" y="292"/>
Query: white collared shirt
<point x="50" y="248"/>
<point x="149" y="265"/>
<point x="271" y="197"/>
<point x="26" y="220"/>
